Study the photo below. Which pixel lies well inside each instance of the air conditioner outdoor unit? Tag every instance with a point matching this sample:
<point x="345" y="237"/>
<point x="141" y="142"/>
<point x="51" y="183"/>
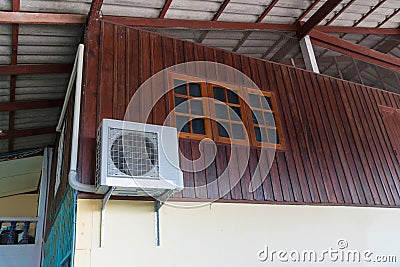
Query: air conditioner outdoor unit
<point x="137" y="159"/>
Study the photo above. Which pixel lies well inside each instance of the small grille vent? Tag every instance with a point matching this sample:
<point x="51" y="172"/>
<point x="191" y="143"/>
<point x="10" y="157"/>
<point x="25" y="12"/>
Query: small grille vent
<point x="133" y="153"/>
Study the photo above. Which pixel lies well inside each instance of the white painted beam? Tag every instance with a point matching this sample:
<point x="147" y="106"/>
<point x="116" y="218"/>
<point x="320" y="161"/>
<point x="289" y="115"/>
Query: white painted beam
<point x="308" y="54"/>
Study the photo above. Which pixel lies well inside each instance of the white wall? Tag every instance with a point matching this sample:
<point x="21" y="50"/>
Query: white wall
<point x="225" y="234"/>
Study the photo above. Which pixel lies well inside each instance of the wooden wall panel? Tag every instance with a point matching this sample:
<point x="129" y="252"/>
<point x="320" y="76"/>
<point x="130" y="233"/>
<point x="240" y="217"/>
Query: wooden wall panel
<point x="337" y="148"/>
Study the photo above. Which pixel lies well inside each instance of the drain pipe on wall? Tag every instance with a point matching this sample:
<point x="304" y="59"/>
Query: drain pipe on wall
<point x="76" y="73"/>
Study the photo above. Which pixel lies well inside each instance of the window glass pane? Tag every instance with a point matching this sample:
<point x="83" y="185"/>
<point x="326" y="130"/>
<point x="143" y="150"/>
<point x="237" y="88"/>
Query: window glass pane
<point x="182" y="124"/>
<point x="260" y="134"/>
<point x="235" y="113"/>
<point x="254" y="100"/>
<point x="272" y="136"/>
<point x="267" y="101"/>
<point x="195" y="89"/>
<point x="196" y="107"/>
<point x="269" y="119"/>
<point x="237" y="131"/>
<point x="257" y="117"/>
<point x="232" y="97"/>
<point x="198" y="126"/>
<point x="181" y="105"/>
<point x="219" y="93"/>
<point x="223" y="132"/>
<point x="221" y="111"/>
<point x="257" y="131"/>
<point x="179" y="87"/>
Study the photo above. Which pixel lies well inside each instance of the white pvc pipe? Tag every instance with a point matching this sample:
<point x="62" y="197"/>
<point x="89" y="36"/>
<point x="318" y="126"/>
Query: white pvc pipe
<point x="73" y="173"/>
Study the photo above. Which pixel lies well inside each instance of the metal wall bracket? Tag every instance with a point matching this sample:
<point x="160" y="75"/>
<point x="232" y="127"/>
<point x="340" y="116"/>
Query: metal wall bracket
<point x="103" y="214"/>
<point x="157" y="205"/>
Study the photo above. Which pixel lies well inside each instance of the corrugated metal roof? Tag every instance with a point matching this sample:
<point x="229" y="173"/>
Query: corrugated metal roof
<point x="37" y="118"/>
<point x="41" y="44"/>
<point x="33" y="141"/>
<point x="41" y="86"/>
<point x="3" y="121"/>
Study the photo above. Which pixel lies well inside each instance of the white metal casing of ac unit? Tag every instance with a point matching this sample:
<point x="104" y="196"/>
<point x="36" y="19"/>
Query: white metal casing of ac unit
<point x="137" y="159"/>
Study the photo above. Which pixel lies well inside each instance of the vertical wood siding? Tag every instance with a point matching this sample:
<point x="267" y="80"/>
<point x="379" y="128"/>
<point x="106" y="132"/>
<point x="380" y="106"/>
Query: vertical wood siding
<point x="338" y="150"/>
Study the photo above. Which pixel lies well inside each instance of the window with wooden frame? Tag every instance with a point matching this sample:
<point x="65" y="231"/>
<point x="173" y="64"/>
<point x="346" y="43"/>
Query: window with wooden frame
<point x="267" y="130"/>
<point x="195" y="101"/>
<point x="228" y="113"/>
<point x="191" y="115"/>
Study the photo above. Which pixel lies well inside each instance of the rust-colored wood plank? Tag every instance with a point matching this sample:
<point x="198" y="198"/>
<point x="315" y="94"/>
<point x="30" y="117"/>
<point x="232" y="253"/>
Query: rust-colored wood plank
<point x="134" y="70"/>
<point x="381" y="163"/>
<point x="311" y="174"/>
<point x="334" y="140"/>
<point x="145" y="73"/>
<point x="370" y="146"/>
<point x="199" y="175"/>
<point x="255" y="174"/>
<point x="188" y="180"/>
<point x="358" y="138"/>
<point x="234" y="177"/>
<point x="160" y="108"/>
<point x="90" y="102"/>
<point x="221" y="162"/>
<point x="119" y="73"/>
<point x="382" y="145"/>
<point x="354" y="145"/>
<point x="276" y="83"/>
<point x="106" y="95"/>
<point x="242" y="164"/>
<point x="285" y="179"/>
<point x="294" y="128"/>
<point x="34" y="69"/>
<point x="211" y="170"/>
<point x="24" y="105"/>
<point x="265" y="174"/>
<point x="320" y="142"/>
<point x="27" y="132"/>
<point x="349" y="166"/>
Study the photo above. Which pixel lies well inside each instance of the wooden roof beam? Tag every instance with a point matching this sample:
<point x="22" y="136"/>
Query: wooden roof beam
<point x="245" y="26"/>
<point x="27" y="132"/>
<point x="317" y="17"/>
<point x="40" y="18"/>
<point x="35" y="69"/>
<point x="354" y="50"/>
<point x="165" y="9"/>
<point x="94" y="12"/>
<point x="23" y="105"/>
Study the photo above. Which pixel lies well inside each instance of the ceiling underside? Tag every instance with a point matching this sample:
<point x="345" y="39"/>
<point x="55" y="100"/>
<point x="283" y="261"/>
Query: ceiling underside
<point x="56" y="44"/>
<point x="20" y="175"/>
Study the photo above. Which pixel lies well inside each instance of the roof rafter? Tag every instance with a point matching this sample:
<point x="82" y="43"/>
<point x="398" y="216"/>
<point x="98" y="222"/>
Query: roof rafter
<point x="23" y="105"/>
<point x="165" y="9"/>
<point x="197" y="24"/>
<point x="94" y="12"/>
<point x="354" y="50"/>
<point x="245" y="26"/>
<point x="11" y="134"/>
<point x="40" y="18"/>
<point x="34" y="69"/>
<point x="317" y="17"/>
